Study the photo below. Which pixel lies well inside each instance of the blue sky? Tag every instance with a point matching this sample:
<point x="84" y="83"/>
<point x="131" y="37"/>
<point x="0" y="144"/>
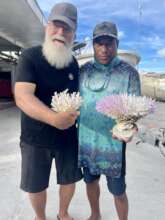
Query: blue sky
<point x="141" y="25"/>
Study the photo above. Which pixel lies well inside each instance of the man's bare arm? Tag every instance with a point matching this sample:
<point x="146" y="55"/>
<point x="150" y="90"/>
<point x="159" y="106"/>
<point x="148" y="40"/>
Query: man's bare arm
<point x="32" y="106"/>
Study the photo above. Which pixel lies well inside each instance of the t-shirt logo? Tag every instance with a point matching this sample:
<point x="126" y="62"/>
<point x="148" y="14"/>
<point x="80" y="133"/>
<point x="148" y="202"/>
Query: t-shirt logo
<point x="71" y="77"/>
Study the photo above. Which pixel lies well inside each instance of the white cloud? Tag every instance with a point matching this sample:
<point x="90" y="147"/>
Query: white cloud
<point x="153" y="41"/>
<point x="121" y="34"/>
<point x="161" y="52"/>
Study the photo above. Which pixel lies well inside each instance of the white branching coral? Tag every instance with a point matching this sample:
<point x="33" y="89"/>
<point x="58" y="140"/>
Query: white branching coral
<point x="65" y="101"/>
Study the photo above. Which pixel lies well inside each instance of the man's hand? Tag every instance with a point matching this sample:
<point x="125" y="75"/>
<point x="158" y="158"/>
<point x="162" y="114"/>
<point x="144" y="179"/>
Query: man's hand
<point x="32" y="106"/>
<point x="64" y="120"/>
<point x="126" y="140"/>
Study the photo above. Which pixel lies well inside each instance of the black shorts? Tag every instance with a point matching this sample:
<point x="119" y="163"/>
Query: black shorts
<point x="36" y="166"/>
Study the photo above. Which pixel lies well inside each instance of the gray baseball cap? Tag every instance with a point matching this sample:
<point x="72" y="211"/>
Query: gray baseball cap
<point x="65" y="12"/>
<point x="105" y="28"/>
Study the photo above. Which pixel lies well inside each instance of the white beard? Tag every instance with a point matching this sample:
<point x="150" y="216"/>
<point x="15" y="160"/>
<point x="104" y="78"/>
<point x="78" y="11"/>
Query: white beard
<point x="57" y="54"/>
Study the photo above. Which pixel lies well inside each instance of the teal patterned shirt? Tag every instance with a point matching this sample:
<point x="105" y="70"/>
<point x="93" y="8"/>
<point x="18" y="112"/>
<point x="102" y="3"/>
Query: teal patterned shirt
<point x="97" y="149"/>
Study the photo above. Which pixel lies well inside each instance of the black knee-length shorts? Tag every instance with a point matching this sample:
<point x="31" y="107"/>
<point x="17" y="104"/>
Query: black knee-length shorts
<point x="36" y="166"/>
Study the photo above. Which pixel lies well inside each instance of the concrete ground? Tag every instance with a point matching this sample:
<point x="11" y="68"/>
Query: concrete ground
<point x="145" y="179"/>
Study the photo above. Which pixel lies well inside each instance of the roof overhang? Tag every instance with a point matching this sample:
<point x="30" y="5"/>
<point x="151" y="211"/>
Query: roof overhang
<point x="21" y="24"/>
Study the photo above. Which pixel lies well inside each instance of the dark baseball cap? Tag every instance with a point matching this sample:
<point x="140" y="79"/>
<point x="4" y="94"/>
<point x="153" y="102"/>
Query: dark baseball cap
<point x="66" y="13"/>
<point x="105" y="28"/>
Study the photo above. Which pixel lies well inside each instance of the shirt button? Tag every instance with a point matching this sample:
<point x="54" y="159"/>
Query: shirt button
<point x="71" y="77"/>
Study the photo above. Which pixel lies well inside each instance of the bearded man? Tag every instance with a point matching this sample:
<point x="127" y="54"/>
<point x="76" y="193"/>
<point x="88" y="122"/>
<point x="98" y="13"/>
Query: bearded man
<point x="45" y="134"/>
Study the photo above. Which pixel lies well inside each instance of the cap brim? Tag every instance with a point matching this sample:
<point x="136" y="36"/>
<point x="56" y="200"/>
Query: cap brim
<point x="64" y="19"/>
<point x="103" y="35"/>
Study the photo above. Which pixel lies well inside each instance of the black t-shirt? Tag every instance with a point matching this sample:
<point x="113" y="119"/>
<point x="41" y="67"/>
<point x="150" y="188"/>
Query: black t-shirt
<point x="34" y="68"/>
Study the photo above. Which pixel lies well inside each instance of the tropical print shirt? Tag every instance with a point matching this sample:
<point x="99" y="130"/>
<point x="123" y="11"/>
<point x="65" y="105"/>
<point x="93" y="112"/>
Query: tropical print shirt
<point x="97" y="149"/>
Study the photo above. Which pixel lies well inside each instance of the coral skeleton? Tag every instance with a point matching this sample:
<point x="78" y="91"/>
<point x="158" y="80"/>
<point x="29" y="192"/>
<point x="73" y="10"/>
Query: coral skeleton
<point x="126" y="110"/>
<point x="65" y="101"/>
